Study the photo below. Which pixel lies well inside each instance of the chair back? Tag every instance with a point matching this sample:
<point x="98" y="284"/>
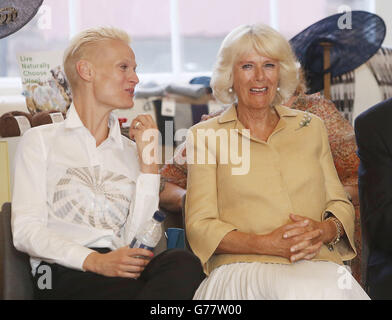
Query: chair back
<point x="16" y="281"/>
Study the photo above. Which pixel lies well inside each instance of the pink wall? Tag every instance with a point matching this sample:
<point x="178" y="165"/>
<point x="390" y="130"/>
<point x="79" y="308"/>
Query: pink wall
<point x="151" y="18"/>
<point x="148" y="18"/>
<point x="59" y="19"/>
<point x="141" y="18"/>
<point x="297" y="15"/>
<point x="218" y="17"/>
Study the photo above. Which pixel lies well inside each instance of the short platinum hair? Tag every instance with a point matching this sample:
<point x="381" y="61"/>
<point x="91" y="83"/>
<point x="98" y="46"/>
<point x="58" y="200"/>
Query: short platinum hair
<point x="266" y="42"/>
<point x="78" y="47"/>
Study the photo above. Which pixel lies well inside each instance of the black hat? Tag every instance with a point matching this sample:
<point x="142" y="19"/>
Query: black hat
<point x="14" y="14"/>
<point x="352" y="45"/>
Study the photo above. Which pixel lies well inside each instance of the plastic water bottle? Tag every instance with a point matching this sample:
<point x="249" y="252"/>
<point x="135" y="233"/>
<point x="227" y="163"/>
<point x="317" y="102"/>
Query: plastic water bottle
<point x="150" y="234"/>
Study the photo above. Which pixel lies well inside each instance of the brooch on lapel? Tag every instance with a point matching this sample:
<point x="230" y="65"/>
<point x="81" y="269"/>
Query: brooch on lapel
<point x="305" y="121"/>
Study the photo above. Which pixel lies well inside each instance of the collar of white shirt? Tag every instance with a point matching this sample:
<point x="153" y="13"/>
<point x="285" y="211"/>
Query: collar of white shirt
<point x="73" y="121"/>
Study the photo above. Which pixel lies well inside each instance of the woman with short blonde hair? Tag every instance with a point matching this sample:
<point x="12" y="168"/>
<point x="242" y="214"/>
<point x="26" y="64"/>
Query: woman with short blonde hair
<point x="83" y="191"/>
<point x="82" y="44"/>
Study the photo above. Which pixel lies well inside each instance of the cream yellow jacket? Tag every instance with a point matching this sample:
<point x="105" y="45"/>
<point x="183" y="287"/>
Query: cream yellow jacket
<point x="293" y="172"/>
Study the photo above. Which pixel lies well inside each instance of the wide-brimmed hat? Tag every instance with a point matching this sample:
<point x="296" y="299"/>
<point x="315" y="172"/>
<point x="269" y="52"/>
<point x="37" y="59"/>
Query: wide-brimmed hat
<point x="14" y="14"/>
<point x="355" y="37"/>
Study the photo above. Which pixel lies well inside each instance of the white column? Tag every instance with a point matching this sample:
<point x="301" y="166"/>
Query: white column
<point x="175" y="38"/>
<point x="274" y="14"/>
<point x="73" y="17"/>
<point x="384" y="10"/>
<point x="372" y="6"/>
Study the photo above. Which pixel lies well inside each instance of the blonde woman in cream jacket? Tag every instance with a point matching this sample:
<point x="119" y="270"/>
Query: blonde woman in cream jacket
<point x="273" y="221"/>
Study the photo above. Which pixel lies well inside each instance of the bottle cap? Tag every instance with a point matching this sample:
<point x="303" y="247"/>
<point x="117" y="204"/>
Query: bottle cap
<point x="159" y="216"/>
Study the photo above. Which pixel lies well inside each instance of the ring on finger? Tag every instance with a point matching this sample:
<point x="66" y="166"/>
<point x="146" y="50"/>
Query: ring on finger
<point x="137" y="124"/>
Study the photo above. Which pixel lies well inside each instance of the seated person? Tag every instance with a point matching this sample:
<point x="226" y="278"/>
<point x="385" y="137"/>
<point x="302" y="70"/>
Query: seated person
<point x="340" y="135"/>
<point x="343" y="147"/>
<point x="82" y="190"/>
<point x="281" y="226"/>
<point x="374" y="137"/>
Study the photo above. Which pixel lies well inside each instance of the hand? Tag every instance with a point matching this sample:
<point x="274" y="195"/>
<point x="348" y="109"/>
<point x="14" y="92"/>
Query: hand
<point x="309" y="248"/>
<point x="124" y="262"/>
<point x="295" y="241"/>
<point x="144" y="131"/>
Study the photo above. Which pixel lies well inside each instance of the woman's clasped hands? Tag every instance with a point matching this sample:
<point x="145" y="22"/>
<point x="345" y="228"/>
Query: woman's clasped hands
<point x="300" y="239"/>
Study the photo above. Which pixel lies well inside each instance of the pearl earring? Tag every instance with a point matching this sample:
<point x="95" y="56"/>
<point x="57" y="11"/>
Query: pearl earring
<point x="278" y="89"/>
<point x="230" y="90"/>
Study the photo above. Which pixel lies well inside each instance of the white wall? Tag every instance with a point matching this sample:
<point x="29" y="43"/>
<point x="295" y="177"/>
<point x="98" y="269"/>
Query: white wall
<point x="367" y="92"/>
<point x="384" y="10"/>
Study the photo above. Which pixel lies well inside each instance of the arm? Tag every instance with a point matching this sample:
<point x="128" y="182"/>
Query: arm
<point x="337" y="202"/>
<point x="375" y="181"/>
<point x="209" y="235"/>
<point x="171" y="197"/>
<point x="341" y="138"/>
<point x="204" y="228"/>
<point x="30" y="212"/>
<point x="125" y="262"/>
<point x="174" y="179"/>
<point x="293" y="241"/>
<point x="307" y="240"/>
<point x="146" y="197"/>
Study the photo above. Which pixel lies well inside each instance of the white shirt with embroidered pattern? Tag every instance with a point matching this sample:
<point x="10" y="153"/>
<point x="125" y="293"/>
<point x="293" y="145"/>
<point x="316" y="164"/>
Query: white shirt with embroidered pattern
<point x="70" y="196"/>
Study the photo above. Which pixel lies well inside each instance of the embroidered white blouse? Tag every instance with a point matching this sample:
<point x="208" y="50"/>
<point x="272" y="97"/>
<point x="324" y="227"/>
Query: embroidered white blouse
<point x="70" y="195"/>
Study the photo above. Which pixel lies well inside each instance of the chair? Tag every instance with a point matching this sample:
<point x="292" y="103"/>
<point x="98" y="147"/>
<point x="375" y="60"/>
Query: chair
<point x="15" y="272"/>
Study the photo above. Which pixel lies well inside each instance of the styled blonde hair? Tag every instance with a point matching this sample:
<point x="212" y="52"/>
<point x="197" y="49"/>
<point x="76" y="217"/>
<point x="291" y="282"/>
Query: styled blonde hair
<point x="266" y="42"/>
<point x="79" y="44"/>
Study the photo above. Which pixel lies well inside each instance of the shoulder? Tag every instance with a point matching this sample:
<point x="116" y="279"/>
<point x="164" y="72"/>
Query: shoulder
<point x="318" y="99"/>
<point x="41" y="133"/>
<point x="215" y="123"/>
<point x="35" y="142"/>
<point x="381" y="114"/>
<point x="299" y="118"/>
<point x="318" y="105"/>
<point x="208" y="124"/>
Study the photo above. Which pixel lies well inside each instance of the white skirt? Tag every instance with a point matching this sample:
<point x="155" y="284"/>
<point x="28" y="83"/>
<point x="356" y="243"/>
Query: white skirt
<point x="303" y="280"/>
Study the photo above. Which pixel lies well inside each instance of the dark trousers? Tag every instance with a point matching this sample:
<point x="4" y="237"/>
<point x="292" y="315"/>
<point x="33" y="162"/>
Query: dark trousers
<point x="172" y="275"/>
<point x="380" y="282"/>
